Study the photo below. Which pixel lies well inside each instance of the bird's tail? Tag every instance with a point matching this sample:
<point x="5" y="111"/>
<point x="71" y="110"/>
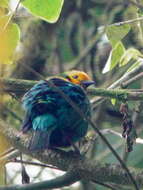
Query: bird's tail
<point x="42" y="126"/>
<point x="40" y="140"/>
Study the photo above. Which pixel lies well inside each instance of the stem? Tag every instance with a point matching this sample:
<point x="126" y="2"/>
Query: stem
<point x="11" y="16"/>
<point x="34" y="164"/>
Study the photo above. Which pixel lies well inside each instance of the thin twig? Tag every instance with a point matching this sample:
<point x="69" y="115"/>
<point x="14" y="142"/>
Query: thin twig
<point x="11" y="155"/>
<point x="104" y="185"/>
<point x="131" y="80"/>
<point x="76" y="63"/>
<point x="107" y="131"/>
<point x="117" y="84"/>
<point x="33" y="163"/>
<point x="11" y="16"/>
<point x="136" y="4"/>
<point x="127" y="22"/>
<point x="12" y="113"/>
<point x="7" y="152"/>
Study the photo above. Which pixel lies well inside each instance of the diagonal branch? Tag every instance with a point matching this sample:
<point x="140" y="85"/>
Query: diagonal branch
<point x="65" y="180"/>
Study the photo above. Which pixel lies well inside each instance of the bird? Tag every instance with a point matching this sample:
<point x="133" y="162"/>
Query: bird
<point x="52" y="120"/>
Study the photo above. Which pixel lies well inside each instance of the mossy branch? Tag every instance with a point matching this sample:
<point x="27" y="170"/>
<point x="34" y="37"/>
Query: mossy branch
<point x="83" y="167"/>
<point x="19" y="87"/>
<point x="119" y="94"/>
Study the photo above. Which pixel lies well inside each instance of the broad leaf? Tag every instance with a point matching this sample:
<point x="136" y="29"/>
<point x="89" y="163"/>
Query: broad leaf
<point x="114" y="57"/>
<point x="9" y="38"/>
<point x="4" y="3"/>
<point x="117" y="33"/>
<point x="48" y="10"/>
<point x="107" y="66"/>
<point x="113" y="101"/>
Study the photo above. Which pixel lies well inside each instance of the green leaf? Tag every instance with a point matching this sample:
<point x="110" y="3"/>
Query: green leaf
<point x="129" y="54"/>
<point x="117" y="33"/>
<point x="114" y="57"/>
<point x="48" y="10"/>
<point x="9" y="38"/>
<point x="113" y="101"/>
<point x="4" y="3"/>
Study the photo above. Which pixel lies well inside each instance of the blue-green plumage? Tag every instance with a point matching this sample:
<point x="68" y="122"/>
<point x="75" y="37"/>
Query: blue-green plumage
<point x="52" y="119"/>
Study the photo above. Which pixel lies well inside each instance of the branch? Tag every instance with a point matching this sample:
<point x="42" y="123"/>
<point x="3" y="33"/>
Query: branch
<point x="135" y="4"/>
<point x="122" y="95"/>
<point x="110" y="131"/>
<point x="76" y="63"/>
<point x="65" y="180"/>
<point x="124" y="81"/>
<point x="127" y="21"/>
<point x="16" y="86"/>
<point x="11" y="16"/>
<point x="103" y="138"/>
<point x="132" y="80"/>
<point x="19" y="87"/>
<point x="128" y="75"/>
<point x="84" y="168"/>
<point x="85" y="51"/>
<point x="33" y="164"/>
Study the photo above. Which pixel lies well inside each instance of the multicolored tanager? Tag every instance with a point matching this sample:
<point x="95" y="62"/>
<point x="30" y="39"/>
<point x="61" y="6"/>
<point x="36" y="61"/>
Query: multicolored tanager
<point x="51" y="118"/>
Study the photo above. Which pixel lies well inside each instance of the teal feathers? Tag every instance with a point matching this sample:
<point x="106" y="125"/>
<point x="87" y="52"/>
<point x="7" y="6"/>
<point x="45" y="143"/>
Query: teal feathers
<point x="52" y="120"/>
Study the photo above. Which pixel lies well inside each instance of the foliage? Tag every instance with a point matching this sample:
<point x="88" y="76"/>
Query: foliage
<point x="117" y="33"/>
<point x="45" y="9"/>
<point x="9" y="36"/>
<point x="114" y="57"/>
<point x="9" y="39"/>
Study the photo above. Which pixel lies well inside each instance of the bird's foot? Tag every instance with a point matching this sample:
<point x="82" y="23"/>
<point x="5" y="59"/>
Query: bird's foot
<point x="87" y="144"/>
<point x="72" y="153"/>
<point x="76" y="150"/>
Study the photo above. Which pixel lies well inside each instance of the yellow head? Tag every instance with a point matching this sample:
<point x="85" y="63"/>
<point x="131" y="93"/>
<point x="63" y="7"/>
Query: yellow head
<point x="79" y="77"/>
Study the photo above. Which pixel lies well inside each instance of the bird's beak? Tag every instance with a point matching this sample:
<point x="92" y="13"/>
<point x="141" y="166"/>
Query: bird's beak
<point x="87" y="83"/>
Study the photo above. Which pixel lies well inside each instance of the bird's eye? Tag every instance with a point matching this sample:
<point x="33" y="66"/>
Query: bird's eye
<point x="75" y="76"/>
<point x="67" y="77"/>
